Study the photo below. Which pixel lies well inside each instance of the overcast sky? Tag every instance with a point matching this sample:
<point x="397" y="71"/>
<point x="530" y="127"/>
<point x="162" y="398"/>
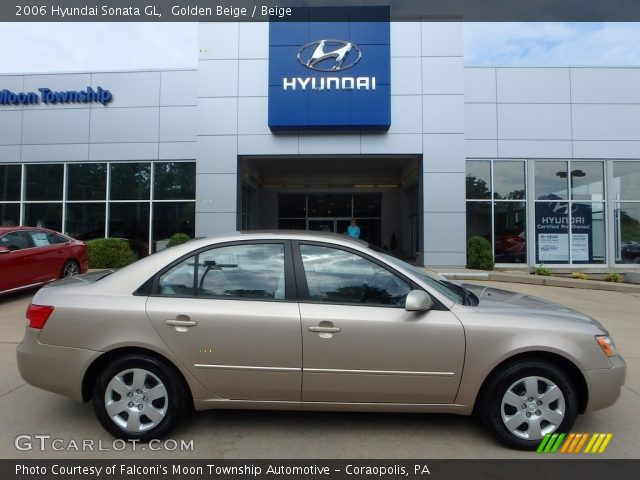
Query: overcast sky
<point x="56" y="47"/>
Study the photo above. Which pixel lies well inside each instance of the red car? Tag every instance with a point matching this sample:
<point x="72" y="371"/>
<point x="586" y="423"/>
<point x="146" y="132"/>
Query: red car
<point x="33" y="256"/>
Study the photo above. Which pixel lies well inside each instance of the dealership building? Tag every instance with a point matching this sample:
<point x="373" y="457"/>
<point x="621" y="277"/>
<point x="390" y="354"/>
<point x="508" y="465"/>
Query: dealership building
<point x="308" y="125"/>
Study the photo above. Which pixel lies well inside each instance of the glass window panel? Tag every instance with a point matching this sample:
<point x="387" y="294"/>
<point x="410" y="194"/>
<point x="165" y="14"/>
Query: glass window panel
<point x="627" y="224"/>
<point x="10" y="183"/>
<point x="552" y="232"/>
<point x="242" y="271"/>
<point x="9" y="214"/>
<point x="44" y="182"/>
<point x="131" y="221"/>
<point x="292" y="224"/>
<point x="170" y="218"/>
<point x="367" y="204"/>
<point x="587" y="233"/>
<point x="587" y="181"/>
<point x="336" y="276"/>
<point x="479" y="220"/>
<point x="174" y="181"/>
<point x="550" y="180"/>
<point x="510" y="232"/>
<point x="130" y="181"/>
<point x="85" y="221"/>
<point x="370" y="229"/>
<point x="291" y="205"/>
<point x="329" y="205"/>
<point x="508" y="180"/>
<point x="178" y="280"/>
<point x="626" y="180"/>
<point x="478" y="179"/>
<point x="86" y="181"/>
<point x="46" y="215"/>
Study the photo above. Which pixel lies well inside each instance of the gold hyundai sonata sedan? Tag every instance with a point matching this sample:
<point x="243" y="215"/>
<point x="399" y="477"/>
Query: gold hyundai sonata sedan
<point x="304" y="321"/>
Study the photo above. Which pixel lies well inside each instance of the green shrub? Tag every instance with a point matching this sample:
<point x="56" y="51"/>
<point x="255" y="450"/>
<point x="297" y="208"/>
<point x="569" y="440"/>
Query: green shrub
<point x="613" y="277"/>
<point x="579" y="276"/>
<point x="178" y="239"/>
<point x="542" y="271"/>
<point x="479" y="255"/>
<point x="109" y="253"/>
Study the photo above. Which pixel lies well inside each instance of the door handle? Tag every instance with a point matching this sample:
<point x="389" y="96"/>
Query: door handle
<point x="181" y="321"/>
<point x="319" y="329"/>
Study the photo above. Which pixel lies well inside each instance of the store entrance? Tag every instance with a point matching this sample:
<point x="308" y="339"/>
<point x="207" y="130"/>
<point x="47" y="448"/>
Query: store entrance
<point x="332" y="225"/>
<point x="324" y="193"/>
<point x="332" y="212"/>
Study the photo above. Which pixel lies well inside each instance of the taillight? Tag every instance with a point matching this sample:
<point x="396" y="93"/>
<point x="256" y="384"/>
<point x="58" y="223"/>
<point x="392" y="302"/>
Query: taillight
<point x="38" y="315"/>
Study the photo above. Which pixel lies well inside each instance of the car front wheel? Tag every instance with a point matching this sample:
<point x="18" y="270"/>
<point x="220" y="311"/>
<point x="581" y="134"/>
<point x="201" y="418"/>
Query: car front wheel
<point x="138" y="397"/>
<point x="526" y="400"/>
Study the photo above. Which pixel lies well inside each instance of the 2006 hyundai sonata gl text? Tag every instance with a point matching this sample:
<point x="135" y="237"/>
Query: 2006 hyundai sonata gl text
<point x="295" y="320"/>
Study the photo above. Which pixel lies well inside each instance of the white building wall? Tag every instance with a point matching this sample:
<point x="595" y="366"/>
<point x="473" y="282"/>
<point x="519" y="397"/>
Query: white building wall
<point x="563" y="112"/>
<point x="152" y="117"/>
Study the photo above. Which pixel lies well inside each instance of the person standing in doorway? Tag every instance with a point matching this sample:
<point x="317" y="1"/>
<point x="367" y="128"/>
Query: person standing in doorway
<point x="353" y="230"/>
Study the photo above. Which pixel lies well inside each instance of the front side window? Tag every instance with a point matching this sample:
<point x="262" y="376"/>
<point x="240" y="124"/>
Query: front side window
<point x="253" y="271"/>
<point x="336" y="276"/>
<point x="15" y="241"/>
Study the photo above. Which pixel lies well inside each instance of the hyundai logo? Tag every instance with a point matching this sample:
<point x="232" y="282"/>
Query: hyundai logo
<point x="329" y="55"/>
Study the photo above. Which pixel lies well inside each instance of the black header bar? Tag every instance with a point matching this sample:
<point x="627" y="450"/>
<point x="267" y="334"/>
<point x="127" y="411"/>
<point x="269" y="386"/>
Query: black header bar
<point x="419" y="469"/>
<point x="294" y="10"/>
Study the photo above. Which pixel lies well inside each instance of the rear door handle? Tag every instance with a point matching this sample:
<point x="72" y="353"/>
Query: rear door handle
<point x="181" y="321"/>
<point x="319" y="329"/>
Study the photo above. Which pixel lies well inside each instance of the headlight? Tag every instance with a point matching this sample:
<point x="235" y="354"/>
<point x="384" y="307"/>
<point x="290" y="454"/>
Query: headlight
<point x="607" y="345"/>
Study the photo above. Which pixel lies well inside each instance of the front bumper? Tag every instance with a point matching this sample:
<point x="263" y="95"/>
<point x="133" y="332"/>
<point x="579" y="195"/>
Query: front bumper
<point x="53" y="368"/>
<point x="604" y="385"/>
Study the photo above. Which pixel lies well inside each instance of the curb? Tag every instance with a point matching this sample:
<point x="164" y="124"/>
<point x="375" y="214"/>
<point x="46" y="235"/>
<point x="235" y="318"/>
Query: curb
<point x="540" y="280"/>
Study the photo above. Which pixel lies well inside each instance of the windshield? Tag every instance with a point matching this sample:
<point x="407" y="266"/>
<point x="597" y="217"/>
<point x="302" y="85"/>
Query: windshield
<point x="448" y="289"/>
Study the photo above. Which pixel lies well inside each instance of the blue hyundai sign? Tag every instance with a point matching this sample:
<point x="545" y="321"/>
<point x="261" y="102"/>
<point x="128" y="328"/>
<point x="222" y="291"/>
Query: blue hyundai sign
<point x="329" y="75"/>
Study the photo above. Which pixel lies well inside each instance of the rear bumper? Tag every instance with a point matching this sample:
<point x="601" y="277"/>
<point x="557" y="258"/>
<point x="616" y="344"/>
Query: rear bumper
<point x="53" y="368"/>
<point x="605" y="384"/>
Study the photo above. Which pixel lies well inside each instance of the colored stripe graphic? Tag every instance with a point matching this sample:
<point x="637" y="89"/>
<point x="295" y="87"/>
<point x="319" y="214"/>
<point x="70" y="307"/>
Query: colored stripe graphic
<point x="551" y="442"/>
<point x="574" y="442"/>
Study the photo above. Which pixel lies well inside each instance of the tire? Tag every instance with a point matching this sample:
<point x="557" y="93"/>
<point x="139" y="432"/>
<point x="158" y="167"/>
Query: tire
<point x="139" y="397"/>
<point x="70" y="268"/>
<point x="527" y="399"/>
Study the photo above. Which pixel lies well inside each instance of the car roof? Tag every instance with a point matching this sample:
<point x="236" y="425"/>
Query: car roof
<point x="4" y="230"/>
<point x="303" y="234"/>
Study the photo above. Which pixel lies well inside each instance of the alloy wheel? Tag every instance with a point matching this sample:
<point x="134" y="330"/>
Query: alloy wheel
<point x="533" y="407"/>
<point x="136" y="400"/>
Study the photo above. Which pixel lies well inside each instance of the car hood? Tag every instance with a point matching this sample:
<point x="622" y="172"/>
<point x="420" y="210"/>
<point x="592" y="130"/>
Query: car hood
<point x="514" y="303"/>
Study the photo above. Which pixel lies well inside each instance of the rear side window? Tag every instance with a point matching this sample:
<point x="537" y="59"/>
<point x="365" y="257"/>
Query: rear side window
<point x="44" y="239"/>
<point x="251" y="271"/>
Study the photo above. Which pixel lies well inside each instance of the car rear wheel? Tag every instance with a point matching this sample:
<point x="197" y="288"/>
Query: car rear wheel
<point x="139" y="397"/>
<point x="70" y="268"/>
<point x="526" y="400"/>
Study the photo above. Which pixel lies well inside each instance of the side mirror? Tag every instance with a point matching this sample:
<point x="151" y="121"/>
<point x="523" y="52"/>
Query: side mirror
<point x="418" y="301"/>
<point x="4" y="249"/>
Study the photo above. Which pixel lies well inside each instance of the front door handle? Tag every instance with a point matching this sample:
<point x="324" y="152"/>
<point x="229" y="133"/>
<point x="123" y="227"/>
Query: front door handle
<point x="181" y="321"/>
<point x="320" y="329"/>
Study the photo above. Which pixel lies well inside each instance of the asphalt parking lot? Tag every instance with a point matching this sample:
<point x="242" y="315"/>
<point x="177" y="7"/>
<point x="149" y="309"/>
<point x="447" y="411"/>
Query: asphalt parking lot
<point x="25" y="410"/>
